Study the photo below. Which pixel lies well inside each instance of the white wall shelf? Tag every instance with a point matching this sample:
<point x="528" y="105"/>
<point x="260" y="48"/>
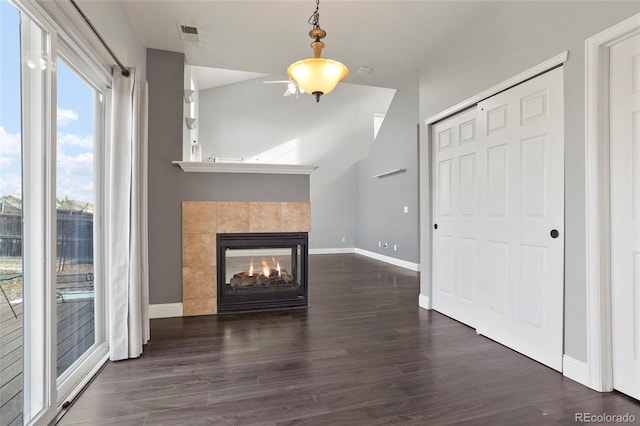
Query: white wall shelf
<point x="277" y="169"/>
<point x="389" y="173"/>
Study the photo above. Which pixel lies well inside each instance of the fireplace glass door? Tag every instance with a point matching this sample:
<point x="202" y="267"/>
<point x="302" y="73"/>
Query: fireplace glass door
<point x="261" y="271"/>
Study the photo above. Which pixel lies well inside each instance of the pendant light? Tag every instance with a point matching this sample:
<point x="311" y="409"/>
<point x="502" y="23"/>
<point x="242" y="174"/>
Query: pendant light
<point x="317" y="75"/>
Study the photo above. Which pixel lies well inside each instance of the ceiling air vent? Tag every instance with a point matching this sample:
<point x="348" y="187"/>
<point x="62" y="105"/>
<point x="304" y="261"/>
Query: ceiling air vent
<point x="188" y="33"/>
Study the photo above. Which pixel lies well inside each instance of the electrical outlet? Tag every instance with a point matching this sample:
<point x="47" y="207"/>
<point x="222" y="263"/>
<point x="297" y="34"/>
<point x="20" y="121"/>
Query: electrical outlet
<point x="386" y="245"/>
<point x="395" y="247"/>
<point x="344" y="239"/>
<point x="379" y="243"/>
<point x="406" y="209"/>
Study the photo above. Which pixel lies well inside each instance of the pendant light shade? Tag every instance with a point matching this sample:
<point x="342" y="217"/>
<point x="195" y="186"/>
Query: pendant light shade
<point x="317" y="76"/>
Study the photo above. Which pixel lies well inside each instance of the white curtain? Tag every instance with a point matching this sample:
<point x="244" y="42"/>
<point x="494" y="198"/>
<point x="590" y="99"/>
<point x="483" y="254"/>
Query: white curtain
<point x="128" y="275"/>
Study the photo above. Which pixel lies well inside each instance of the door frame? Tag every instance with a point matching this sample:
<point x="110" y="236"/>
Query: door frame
<point x="426" y="167"/>
<point x="598" y="222"/>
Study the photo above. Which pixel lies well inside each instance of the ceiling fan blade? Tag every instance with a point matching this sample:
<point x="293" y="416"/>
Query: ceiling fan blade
<point x="277" y="81"/>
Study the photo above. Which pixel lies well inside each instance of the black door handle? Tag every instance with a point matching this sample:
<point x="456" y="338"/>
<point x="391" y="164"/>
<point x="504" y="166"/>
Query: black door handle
<point x="435" y="226"/>
<point x="554" y="233"/>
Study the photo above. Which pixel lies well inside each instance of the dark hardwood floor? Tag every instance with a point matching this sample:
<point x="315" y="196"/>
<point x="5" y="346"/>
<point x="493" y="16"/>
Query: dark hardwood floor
<point x="364" y="353"/>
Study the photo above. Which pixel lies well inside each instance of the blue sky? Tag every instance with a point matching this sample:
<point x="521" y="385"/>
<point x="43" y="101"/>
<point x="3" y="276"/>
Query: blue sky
<point x="74" y="119"/>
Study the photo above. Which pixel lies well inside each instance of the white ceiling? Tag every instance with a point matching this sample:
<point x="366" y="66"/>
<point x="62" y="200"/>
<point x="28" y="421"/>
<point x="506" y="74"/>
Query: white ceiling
<point x="215" y="77"/>
<point x="393" y="37"/>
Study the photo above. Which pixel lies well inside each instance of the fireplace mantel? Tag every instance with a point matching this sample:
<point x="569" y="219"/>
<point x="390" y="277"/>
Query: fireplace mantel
<point x="278" y="169"/>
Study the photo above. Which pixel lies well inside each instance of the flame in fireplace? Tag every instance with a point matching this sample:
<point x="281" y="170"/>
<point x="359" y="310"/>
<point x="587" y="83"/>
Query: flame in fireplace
<point x="267" y="271"/>
<point x="276" y="265"/>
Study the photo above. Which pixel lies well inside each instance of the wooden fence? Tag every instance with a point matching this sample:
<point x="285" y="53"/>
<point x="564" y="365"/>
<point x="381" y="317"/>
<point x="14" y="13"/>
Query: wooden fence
<point x="74" y="241"/>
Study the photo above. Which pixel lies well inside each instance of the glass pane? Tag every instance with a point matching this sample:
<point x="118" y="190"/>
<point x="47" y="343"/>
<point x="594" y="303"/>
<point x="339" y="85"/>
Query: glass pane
<point x="260" y="270"/>
<point x="75" y="201"/>
<point x="11" y="307"/>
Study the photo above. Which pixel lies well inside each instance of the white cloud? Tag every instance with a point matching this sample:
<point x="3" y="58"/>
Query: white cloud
<point x="10" y="152"/>
<point x="81" y="164"/>
<point x="9" y="143"/>
<point x="7" y="161"/>
<point x="66" y="116"/>
<point x="68" y="187"/>
<point x="75" y="177"/>
<point x="68" y="139"/>
<point x="11" y="184"/>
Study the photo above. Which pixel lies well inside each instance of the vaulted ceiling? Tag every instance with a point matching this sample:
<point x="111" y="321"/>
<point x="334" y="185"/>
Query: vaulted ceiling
<point x="393" y="37"/>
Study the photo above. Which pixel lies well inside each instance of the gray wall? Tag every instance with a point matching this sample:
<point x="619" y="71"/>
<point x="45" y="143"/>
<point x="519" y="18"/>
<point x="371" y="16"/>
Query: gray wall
<point x="381" y="201"/>
<point x="251" y="119"/>
<point x="517" y="36"/>
<point x="169" y="185"/>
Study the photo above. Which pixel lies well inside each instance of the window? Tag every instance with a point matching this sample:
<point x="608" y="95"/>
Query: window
<point x="75" y="201"/>
<point x="11" y="270"/>
<point x="378" y="119"/>
<point x="53" y="99"/>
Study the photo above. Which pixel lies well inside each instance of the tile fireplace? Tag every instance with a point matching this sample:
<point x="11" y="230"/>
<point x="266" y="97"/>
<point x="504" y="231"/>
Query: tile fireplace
<point x="259" y="271"/>
<point x="203" y="221"/>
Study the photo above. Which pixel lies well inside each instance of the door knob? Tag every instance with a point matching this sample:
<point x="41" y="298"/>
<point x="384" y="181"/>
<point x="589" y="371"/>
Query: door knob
<point x="435" y="226"/>
<point x="554" y="233"/>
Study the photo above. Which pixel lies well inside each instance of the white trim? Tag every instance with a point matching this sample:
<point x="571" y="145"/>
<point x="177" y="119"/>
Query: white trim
<point x="75" y="30"/>
<point x="165" y="310"/>
<point x="426" y="211"/>
<point x="388" y="259"/>
<point x="277" y="169"/>
<point x="598" y="225"/>
<point x="84" y="382"/>
<point x="424" y="302"/>
<point x="351" y="250"/>
<point x="575" y="370"/>
<point x="523" y="76"/>
<point x="338" y="250"/>
<point x="70" y="384"/>
<point x="38" y="95"/>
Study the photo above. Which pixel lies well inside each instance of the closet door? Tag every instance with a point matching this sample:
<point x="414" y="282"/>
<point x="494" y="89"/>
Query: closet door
<point x="457" y="245"/>
<point x="625" y="214"/>
<point x="498" y="199"/>
<point x="523" y="289"/>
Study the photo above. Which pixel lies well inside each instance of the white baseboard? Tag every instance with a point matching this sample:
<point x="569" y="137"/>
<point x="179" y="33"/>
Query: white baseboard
<point x="165" y="310"/>
<point x="377" y="256"/>
<point x="575" y="370"/>
<point x="388" y="259"/>
<point x="337" y="250"/>
<point x="424" y="302"/>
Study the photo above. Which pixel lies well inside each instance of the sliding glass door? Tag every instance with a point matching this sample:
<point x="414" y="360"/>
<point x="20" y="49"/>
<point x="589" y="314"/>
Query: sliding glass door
<point x="52" y="131"/>
<point x="11" y="195"/>
<point x="80" y="331"/>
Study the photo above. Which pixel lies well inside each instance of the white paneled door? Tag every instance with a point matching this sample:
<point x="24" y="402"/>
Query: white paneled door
<point x="499" y="209"/>
<point x="455" y="241"/>
<point x="625" y="214"/>
<point x="456" y="208"/>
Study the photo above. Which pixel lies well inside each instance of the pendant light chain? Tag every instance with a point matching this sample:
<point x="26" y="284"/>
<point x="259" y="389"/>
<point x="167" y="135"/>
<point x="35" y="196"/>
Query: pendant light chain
<point x="314" y="19"/>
